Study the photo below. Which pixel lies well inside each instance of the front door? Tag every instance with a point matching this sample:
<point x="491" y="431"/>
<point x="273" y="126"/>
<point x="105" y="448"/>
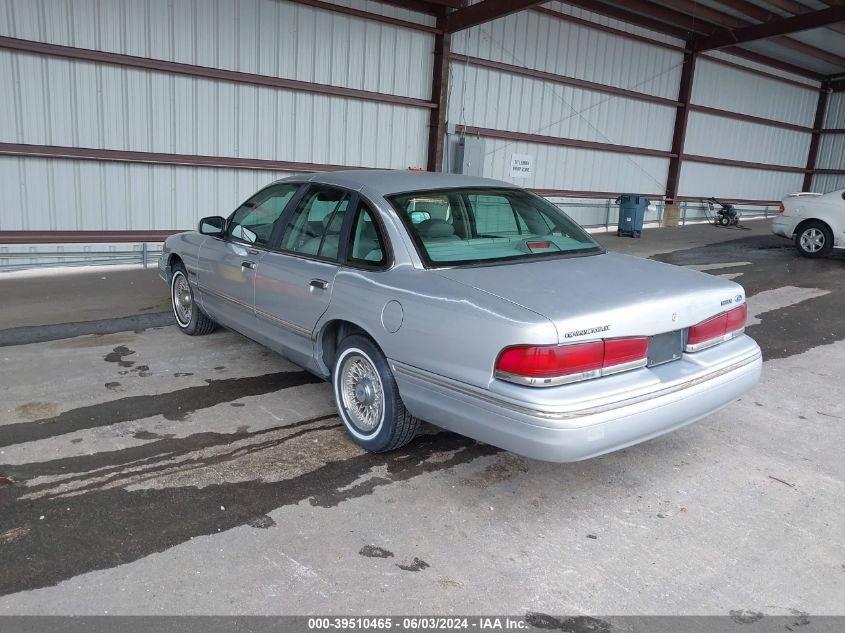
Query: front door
<point x="226" y="266"/>
<point x="294" y="282"/>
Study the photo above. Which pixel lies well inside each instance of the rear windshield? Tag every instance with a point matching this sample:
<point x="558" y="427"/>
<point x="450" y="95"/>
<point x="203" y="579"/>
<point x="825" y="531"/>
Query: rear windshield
<point x="472" y="226"/>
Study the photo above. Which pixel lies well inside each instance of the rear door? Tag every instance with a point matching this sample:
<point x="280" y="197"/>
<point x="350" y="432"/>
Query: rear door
<point x="227" y="266"/>
<point x="294" y="281"/>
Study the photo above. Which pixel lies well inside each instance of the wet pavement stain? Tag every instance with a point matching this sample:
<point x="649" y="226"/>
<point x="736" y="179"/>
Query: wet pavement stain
<point x="373" y="551"/>
<point x="118" y="354"/>
<point x="182" y="374"/>
<point x="112" y="385"/>
<point x="263" y="522"/>
<point x="122" y="525"/>
<point x="417" y="564"/>
<point x="173" y="405"/>
<point x="149" y="435"/>
<point x="578" y="624"/>
<point x="774" y="264"/>
<point x="745" y="616"/>
<point x="36" y="410"/>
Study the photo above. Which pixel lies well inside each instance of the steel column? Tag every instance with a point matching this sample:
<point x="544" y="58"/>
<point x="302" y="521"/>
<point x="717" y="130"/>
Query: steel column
<point x="815" y="140"/>
<point x="680" y="133"/>
<point x="439" y="95"/>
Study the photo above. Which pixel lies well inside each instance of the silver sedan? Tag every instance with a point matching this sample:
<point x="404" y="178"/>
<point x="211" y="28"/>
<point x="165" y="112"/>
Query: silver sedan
<point x="469" y="303"/>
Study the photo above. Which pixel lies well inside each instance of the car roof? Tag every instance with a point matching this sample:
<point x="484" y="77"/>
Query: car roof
<point x="390" y="181"/>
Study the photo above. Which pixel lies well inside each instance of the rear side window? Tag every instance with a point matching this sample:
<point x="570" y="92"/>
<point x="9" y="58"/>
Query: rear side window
<point x="367" y="246"/>
<point x="253" y="221"/>
<point x="315" y="226"/>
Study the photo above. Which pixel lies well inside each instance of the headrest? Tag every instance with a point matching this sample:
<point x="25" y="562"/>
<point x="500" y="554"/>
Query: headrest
<point x="333" y="222"/>
<point x="436" y="228"/>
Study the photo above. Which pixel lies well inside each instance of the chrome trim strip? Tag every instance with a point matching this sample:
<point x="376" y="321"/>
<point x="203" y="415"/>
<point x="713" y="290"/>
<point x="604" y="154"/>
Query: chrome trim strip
<point x="556" y="381"/>
<point x="224" y="296"/>
<point x="259" y="313"/>
<point x="697" y="347"/>
<point x="282" y="322"/>
<point x="568" y="415"/>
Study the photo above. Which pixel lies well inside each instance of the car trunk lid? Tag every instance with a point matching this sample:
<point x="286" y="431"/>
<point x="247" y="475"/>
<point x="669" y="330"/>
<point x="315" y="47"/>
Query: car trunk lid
<point x="606" y="295"/>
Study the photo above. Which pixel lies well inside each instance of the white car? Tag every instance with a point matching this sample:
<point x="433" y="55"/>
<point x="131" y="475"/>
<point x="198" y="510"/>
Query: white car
<point x="815" y="221"/>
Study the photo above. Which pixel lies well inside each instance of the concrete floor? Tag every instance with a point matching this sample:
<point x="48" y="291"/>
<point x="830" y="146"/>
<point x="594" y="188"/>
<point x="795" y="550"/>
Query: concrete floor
<point x="146" y="472"/>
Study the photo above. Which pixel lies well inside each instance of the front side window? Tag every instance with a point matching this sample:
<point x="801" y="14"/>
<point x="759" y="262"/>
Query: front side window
<point x="473" y="226"/>
<point x="314" y="229"/>
<point x="366" y="246"/>
<point x="253" y="222"/>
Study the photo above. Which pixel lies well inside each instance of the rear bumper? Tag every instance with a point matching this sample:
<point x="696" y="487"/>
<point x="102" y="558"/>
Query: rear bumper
<point x="784" y="226"/>
<point x="554" y="428"/>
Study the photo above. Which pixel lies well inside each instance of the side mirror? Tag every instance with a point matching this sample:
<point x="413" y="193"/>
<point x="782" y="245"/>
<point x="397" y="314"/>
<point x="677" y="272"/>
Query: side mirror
<point x="213" y="225"/>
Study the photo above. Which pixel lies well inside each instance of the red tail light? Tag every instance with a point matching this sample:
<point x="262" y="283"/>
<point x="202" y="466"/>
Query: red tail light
<point x="780" y="208"/>
<point x="548" y="365"/>
<point x="720" y="328"/>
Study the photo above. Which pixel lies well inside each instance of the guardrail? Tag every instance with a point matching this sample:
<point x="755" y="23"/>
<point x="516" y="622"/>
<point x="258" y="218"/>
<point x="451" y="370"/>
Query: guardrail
<point x="31" y="249"/>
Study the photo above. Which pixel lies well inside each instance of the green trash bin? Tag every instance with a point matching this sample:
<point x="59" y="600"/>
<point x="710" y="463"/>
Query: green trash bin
<point x="631" y="214"/>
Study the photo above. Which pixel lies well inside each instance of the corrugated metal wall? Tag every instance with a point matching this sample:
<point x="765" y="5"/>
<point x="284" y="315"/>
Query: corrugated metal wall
<point x="60" y="102"/>
<point x="732" y="89"/>
<point x="488" y="98"/>
<point x="832" y="146"/>
<point x="71" y="103"/>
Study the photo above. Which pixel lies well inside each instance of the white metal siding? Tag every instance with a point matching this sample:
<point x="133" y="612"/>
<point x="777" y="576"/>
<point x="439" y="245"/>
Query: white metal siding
<point x="811" y="83"/>
<point x="823" y="183"/>
<point x="719" y="86"/>
<point x="268" y="37"/>
<point x="577" y="169"/>
<point x="831" y="152"/>
<point x="495" y="99"/>
<point x="70" y="195"/>
<point x="835" y="113"/>
<point x="701" y="180"/>
<point x="482" y="97"/>
<point x="720" y="137"/>
<point x="537" y="41"/>
<point x="82" y="104"/>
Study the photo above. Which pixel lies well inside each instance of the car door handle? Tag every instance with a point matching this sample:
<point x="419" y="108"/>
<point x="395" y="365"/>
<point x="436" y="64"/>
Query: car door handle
<point x="250" y="265"/>
<point x="319" y="283"/>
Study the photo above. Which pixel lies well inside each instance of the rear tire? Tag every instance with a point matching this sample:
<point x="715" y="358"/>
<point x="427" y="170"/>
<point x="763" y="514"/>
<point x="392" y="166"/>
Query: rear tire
<point x="814" y="239"/>
<point x="189" y="317"/>
<point x="367" y="397"/>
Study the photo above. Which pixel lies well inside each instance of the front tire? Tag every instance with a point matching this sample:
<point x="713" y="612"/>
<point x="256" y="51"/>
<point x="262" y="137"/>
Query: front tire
<point x="189" y="317"/>
<point x="367" y="397"/>
<point x="814" y="240"/>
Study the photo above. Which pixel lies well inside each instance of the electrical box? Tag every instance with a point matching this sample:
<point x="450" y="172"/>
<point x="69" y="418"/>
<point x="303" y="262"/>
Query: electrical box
<point x="469" y="156"/>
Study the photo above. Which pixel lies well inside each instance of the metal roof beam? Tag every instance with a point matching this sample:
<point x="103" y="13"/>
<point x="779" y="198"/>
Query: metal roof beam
<point x="614" y="11"/>
<point x="617" y="12"/>
<point x="760" y="14"/>
<point x="485" y="11"/>
<point x="773" y="28"/>
<point x="796" y="8"/>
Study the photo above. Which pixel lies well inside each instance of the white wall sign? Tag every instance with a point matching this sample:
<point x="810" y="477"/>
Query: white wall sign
<point x="522" y="165"/>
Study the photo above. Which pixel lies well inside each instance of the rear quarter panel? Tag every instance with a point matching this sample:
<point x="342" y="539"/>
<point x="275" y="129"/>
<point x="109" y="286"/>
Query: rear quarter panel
<point x="446" y="328"/>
